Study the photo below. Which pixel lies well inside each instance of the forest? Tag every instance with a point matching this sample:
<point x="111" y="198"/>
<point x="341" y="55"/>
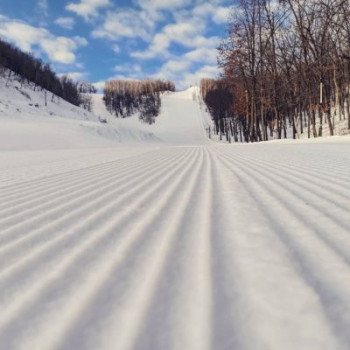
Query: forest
<point x="123" y="98"/>
<point x="285" y="67"/>
<point x="33" y="70"/>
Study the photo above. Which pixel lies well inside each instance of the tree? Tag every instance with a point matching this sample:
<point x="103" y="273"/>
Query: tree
<point x="287" y="65"/>
<point x="124" y="98"/>
<point x="31" y="69"/>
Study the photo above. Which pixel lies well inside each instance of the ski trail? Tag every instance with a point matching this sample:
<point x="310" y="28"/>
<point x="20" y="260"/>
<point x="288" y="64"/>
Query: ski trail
<point x="314" y="215"/>
<point x="255" y="276"/>
<point x="67" y="205"/>
<point x="47" y="240"/>
<point x="322" y="268"/>
<point x="326" y="189"/>
<point x="184" y="293"/>
<point x="84" y="250"/>
<point x="33" y="165"/>
<point x="16" y="194"/>
<point x="80" y="235"/>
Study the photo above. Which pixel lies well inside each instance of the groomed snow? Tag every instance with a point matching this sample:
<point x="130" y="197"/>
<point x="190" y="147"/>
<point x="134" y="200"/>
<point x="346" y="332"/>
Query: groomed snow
<point x="178" y="244"/>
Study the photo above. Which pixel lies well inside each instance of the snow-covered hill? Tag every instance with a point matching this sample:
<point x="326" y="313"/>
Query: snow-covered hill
<point x="172" y="126"/>
<point x="28" y="122"/>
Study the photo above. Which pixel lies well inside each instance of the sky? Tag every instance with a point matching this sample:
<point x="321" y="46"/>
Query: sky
<point x="99" y="40"/>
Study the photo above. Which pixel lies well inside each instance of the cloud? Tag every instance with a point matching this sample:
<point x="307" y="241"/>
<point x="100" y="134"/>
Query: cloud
<point x="59" y="49"/>
<point x="204" y="55"/>
<point x="128" y="69"/>
<point x="179" y="72"/>
<point x="222" y="14"/>
<point x="99" y="85"/>
<point x="179" y="36"/>
<point x="183" y="33"/>
<point x="159" y="47"/>
<point x="190" y="54"/>
<point x="75" y="76"/>
<point x="65" y="22"/>
<point x="218" y="14"/>
<point x="43" y="7"/>
<point x="116" y="49"/>
<point x="189" y="29"/>
<point x="175" y="66"/>
<point x="194" y="78"/>
<point x="155" y="5"/>
<point x="126" y="23"/>
<point x="87" y="8"/>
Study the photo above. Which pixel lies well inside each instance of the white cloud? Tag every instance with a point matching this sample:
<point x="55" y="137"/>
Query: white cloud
<point x="99" y="85"/>
<point x="43" y="6"/>
<point x="26" y="37"/>
<point x="65" y="22"/>
<point x="128" y="69"/>
<point x="204" y="54"/>
<point x="61" y="49"/>
<point x="219" y="14"/>
<point x="179" y="72"/>
<point x="158" y="47"/>
<point x="116" y="49"/>
<point x="79" y="40"/>
<point x="127" y="23"/>
<point x="191" y="21"/>
<point x="165" y="25"/>
<point x="87" y="8"/>
<point x="184" y="33"/>
<point x="76" y="76"/>
<point x="222" y="14"/>
<point x="194" y="78"/>
<point x="175" y="66"/>
<point x="189" y="31"/>
<point x="155" y="5"/>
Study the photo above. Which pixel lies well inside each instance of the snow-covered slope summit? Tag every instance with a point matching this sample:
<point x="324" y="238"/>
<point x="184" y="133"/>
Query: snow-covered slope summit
<point x="179" y="122"/>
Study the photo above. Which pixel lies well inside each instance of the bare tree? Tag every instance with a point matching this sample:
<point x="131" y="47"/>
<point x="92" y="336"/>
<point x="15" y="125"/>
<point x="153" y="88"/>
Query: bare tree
<point x="124" y="98"/>
<point x="287" y="64"/>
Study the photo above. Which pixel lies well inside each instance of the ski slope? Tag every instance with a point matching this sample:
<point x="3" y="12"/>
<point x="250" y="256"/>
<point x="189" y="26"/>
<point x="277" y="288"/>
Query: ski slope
<point x="31" y="121"/>
<point x="173" y="126"/>
<point x="183" y="244"/>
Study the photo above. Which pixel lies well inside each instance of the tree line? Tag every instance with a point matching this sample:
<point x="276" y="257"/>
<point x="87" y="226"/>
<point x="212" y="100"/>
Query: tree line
<point x="285" y="65"/>
<point x="220" y="104"/>
<point x="85" y="87"/>
<point x="124" y="98"/>
<point x="34" y="70"/>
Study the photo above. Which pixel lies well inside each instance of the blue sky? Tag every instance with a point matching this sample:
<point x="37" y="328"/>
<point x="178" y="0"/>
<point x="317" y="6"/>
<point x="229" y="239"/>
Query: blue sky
<point x="97" y="40"/>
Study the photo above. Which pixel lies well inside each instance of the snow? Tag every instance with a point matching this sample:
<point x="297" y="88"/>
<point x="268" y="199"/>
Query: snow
<point x="173" y="243"/>
<point x="26" y="123"/>
<point x="170" y="124"/>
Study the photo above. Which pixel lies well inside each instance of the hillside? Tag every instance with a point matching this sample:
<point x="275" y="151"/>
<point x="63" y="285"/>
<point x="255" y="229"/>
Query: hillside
<point x="172" y="126"/>
<point x="26" y="123"/>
